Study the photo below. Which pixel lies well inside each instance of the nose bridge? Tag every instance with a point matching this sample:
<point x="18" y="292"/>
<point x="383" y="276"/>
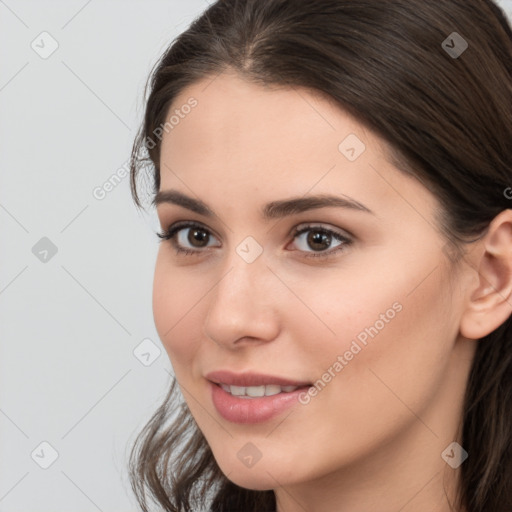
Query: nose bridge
<point x="241" y="305"/>
<point x="240" y="282"/>
<point x="246" y="263"/>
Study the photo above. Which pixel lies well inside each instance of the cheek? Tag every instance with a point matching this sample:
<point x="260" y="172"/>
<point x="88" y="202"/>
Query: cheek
<point x="176" y="300"/>
<point x="400" y="293"/>
<point x="398" y="322"/>
<point x="394" y="339"/>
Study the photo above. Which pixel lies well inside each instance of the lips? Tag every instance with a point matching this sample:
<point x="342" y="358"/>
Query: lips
<point x="252" y="397"/>
<point x="249" y="379"/>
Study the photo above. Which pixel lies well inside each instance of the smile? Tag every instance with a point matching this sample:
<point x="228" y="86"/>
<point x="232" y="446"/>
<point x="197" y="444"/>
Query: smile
<point x="257" y="391"/>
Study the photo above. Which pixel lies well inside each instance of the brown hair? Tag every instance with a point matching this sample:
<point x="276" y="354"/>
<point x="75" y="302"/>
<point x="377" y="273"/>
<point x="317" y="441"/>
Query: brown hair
<point x="447" y="120"/>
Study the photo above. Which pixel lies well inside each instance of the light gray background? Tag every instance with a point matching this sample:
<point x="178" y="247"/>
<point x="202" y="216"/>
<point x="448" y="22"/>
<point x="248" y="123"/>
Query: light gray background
<point x="70" y="324"/>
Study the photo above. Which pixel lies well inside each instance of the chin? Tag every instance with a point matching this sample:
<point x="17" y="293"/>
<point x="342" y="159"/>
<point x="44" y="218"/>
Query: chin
<point x="255" y="482"/>
<point x="262" y="476"/>
<point x="257" y="478"/>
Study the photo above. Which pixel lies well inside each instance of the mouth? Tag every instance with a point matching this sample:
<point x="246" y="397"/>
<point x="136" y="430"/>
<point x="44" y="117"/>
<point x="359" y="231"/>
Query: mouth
<point x="254" y="404"/>
<point x="249" y="398"/>
<point x="254" y="385"/>
<point x="258" y="391"/>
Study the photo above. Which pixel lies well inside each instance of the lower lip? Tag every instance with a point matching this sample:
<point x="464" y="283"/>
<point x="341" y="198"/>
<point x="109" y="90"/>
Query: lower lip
<point x="252" y="410"/>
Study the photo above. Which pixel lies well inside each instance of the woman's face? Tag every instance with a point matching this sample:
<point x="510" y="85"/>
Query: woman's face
<point x="360" y="301"/>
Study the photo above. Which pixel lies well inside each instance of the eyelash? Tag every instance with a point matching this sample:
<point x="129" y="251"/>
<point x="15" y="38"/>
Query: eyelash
<point x="170" y="234"/>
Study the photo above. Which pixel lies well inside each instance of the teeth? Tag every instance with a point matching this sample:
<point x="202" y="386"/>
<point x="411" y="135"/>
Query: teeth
<point x="272" y="389"/>
<point x="237" y="390"/>
<point x="257" y="391"/>
<point x="254" y="391"/>
<point x="225" y="387"/>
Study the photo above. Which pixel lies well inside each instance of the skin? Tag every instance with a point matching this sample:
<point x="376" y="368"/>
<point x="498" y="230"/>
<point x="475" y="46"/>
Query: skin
<point x="372" y="438"/>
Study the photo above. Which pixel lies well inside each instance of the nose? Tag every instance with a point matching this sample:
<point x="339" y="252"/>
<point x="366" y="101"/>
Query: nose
<point x="243" y="306"/>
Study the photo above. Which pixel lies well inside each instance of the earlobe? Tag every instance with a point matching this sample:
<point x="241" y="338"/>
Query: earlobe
<point x="490" y="299"/>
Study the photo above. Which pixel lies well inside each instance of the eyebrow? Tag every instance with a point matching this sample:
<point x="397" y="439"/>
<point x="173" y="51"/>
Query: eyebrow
<point x="272" y="210"/>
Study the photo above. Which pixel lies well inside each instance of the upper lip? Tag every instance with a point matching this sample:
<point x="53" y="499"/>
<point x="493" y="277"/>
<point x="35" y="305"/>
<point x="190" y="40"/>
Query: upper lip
<point x="250" y="379"/>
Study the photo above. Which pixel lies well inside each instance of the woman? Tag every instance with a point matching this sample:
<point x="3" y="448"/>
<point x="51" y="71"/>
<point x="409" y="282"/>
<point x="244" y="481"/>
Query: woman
<point x="333" y="286"/>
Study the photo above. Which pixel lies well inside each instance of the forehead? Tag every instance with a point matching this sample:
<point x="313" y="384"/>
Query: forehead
<point x="234" y="121"/>
<point x="242" y="137"/>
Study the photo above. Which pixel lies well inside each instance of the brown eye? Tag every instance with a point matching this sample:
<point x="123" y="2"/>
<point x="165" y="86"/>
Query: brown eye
<point x="317" y="241"/>
<point x="198" y="237"/>
<point x="189" y="238"/>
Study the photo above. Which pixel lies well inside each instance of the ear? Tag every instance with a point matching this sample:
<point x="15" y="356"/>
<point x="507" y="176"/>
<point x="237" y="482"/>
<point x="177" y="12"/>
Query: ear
<point x="490" y="294"/>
